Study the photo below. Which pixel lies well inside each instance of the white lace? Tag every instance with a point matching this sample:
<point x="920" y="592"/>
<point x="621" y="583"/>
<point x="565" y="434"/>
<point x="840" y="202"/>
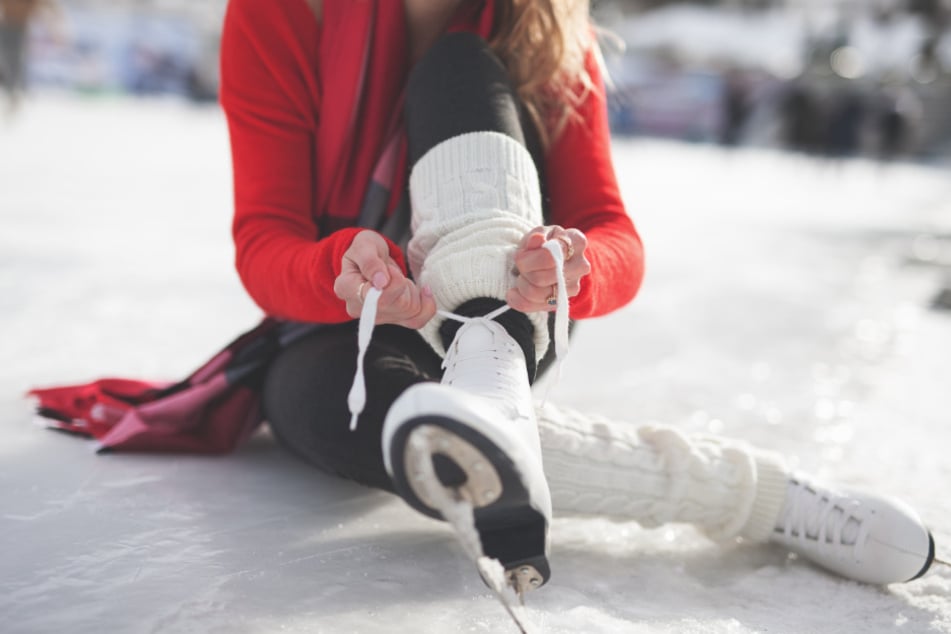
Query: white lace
<point x="561" y="312"/>
<point x="819" y="519"/>
<point x="356" y="399"/>
<point x="482" y="382"/>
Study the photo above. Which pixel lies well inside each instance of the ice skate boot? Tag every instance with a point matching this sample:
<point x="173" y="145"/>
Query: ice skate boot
<point x="863" y="537"/>
<point x="476" y="432"/>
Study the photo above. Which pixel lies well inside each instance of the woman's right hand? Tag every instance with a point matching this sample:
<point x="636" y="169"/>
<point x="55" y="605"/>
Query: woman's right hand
<point x="368" y="263"/>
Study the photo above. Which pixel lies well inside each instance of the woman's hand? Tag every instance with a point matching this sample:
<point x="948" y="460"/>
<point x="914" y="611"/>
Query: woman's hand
<point x="368" y="263"/>
<point x="537" y="276"/>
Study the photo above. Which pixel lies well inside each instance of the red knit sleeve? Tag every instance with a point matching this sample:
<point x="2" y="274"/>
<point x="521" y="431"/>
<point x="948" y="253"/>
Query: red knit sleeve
<point x="271" y="97"/>
<point x="584" y="194"/>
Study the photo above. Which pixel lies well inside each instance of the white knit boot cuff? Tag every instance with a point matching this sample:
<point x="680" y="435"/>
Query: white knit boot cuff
<point x="473" y="198"/>
<point x="772" y="477"/>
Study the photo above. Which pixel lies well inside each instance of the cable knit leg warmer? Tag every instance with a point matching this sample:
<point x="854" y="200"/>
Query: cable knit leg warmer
<point x="655" y="475"/>
<point x="473" y="197"/>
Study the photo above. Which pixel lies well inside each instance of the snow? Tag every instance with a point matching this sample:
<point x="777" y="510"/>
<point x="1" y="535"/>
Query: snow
<point x="786" y="303"/>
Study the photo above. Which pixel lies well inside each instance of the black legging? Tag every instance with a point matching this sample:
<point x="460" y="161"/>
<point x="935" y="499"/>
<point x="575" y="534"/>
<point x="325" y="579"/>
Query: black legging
<point x="459" y="86"/>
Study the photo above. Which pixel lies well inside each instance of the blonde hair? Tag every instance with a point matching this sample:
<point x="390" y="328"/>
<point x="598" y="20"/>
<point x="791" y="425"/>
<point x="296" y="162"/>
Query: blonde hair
<point x="543" y="44"/>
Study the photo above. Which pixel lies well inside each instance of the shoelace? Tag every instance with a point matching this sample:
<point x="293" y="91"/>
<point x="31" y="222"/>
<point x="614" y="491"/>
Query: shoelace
<point x="832" y="524"/>
<point x="485" y="382"/>
<point x="357" y="398"/>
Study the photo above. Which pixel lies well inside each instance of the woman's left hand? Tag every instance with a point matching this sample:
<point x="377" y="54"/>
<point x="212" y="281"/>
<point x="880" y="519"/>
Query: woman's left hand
<point x="537" y="276"/>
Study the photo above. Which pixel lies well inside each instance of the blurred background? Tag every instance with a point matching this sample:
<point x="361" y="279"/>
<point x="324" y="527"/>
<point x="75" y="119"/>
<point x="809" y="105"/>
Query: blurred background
<point x="101" y="47"/>
<point x="829" y="77"/>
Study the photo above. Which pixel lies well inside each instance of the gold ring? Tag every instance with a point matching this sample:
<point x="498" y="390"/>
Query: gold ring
<point x="553" y="298"/>
<point x="569" y="248"/>
<point x="360" y="294"/>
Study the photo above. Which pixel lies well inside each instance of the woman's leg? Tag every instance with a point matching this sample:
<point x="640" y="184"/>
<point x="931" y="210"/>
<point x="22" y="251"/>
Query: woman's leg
<point x="475" y="194"/>
<point x="459" y="87"/>
<point x="655" y="475"/>
<point x="305" y="396"/>
<point x="462" y="87"/>
<point x="474" y="186"/>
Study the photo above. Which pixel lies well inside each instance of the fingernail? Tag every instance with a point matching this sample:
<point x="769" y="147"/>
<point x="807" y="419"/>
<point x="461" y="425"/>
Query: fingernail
<point x="379" y="280"/>
<point x="427" y="291"/>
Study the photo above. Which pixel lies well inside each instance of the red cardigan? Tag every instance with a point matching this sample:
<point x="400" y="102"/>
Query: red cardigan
<point x="289" y="88"/>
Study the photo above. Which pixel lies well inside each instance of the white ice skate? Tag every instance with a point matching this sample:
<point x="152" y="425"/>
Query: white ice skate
<point x="477" y="429"/>
<point x="863" y="537"/>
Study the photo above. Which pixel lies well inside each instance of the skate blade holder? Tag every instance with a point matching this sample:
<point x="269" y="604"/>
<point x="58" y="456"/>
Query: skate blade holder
<point x="463" y="473"/>
<point x="461" y="469"/>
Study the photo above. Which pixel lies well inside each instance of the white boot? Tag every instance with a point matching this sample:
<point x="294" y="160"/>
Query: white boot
<point x="860" y="536"/>
<point x="478" y="428"/>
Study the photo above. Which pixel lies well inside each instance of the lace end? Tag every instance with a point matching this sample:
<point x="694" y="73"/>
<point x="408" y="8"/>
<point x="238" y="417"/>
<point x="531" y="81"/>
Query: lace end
<point x="561" y="309"/>
<point x="357" y="398"/>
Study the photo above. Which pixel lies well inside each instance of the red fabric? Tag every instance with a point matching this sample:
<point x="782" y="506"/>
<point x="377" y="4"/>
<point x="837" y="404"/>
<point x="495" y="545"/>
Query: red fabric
<point x="212" y="411"/>
<point x="302" y="165"/>
<point x="211" y="417"/>
<point x="93" y="409"/>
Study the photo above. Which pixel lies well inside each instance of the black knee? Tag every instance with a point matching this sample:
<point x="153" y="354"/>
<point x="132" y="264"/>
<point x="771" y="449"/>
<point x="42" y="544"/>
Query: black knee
<point x="305" y="396"/>
<point x="304" y="403"/>
<point x="460" y="86"/>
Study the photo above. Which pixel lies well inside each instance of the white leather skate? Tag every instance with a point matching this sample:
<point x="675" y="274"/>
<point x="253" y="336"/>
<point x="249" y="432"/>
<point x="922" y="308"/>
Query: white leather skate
<point x="478" y="429"/>
<point x="863" y="537"/>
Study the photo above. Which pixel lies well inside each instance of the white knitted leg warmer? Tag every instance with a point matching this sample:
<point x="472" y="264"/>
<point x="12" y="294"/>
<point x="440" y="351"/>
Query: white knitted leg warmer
<point x="473" y="198"/>
<point x="655" y="475"/>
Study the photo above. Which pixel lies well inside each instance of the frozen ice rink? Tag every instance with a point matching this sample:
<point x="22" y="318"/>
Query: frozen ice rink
<point x="786" y="303"/>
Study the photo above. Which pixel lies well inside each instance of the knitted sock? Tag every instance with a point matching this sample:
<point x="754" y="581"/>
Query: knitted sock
<point x="473" y="198"/>
<point x="655" y="475"/>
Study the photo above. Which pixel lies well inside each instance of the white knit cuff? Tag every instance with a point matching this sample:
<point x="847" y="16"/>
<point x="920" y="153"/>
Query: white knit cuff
<point x="473" y="198"/>
<point x="772" y="478"/>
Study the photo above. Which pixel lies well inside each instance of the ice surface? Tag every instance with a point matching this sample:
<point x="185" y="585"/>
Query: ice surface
<point x="785" y="303"/>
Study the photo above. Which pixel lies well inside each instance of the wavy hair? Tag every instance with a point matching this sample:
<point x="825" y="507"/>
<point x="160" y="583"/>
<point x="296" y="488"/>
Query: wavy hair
<point x="543" y="44"/>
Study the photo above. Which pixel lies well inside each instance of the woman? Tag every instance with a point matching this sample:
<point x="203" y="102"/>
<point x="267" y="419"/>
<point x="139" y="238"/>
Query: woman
<point x="471" y="135"/>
